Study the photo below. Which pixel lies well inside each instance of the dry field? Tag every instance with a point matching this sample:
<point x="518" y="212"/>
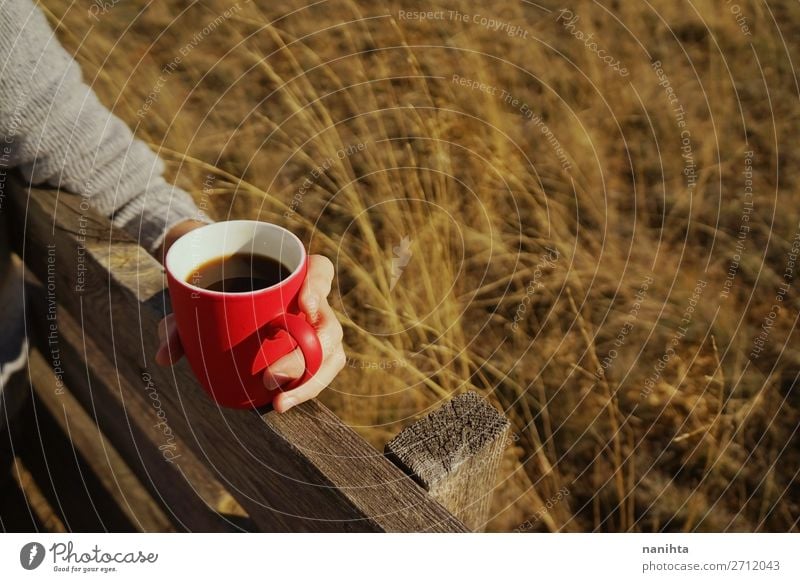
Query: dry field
<point x="589" y="216"/>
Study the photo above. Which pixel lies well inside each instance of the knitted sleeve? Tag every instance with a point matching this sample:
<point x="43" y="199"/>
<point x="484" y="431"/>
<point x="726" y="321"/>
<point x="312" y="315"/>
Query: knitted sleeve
<point x="56" y="131"/>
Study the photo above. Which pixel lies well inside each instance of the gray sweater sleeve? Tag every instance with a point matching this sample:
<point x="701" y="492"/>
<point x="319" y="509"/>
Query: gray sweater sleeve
<point x="56" y="131"/>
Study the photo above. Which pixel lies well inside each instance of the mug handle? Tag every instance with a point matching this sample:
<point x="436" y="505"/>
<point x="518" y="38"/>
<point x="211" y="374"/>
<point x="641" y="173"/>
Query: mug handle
<point x="307" y="340"/>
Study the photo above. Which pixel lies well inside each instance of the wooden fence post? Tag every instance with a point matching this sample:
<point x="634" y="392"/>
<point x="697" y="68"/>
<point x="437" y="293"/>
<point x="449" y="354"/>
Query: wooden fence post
<point x="454" y="452"/>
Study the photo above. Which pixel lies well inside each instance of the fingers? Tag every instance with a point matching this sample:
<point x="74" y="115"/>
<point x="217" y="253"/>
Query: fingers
<point x="331" y="366"/>
<point x="170" y="350"/>
<point x="317" y="286"/>
<point x="292" y="366"/>
<point x="288" y="368"/>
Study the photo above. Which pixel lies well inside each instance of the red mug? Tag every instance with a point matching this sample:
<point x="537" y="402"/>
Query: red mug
<point x="230" y="338"/>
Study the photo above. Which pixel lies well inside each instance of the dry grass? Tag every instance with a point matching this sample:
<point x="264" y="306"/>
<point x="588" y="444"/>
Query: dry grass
<point x="487" y="202"/>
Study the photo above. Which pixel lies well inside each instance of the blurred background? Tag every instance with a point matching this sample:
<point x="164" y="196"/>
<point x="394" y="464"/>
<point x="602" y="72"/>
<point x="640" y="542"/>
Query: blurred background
<point x="586" y="214"/>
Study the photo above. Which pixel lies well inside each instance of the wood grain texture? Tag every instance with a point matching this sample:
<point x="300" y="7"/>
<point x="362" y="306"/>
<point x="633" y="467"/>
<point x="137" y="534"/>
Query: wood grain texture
<point x="454" y="452"/>
<point x="186" y="490"/>
<point x="299" y="471"/>
<point x="106" y="463"/>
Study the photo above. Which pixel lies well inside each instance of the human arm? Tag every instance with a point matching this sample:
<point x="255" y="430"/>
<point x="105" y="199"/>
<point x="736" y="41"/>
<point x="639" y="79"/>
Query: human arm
<point x="56" y="132"/>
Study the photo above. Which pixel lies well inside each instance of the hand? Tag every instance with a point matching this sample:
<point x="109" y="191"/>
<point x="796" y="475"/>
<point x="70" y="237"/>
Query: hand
<point x="174" y="234"/>
<point x="314" y="303"/>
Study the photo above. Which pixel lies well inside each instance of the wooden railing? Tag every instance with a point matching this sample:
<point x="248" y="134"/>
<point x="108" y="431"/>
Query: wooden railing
<point x="98" y="301"/>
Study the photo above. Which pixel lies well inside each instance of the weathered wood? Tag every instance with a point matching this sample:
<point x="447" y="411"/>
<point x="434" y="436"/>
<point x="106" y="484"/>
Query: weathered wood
<point x="454" y="453"/>
<point x="299" y="471"/>
<point x="105" y="462"/>
<point x="24" y="506"/>
<point x="186" y="490"/>
<point x="63" y="473"/>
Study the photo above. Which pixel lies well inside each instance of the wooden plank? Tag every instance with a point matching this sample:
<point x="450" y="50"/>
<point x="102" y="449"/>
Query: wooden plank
<point x="299" y="471"/>
<point x="60" y="486"/>
<point x="24" y="506"/>
<point x="65" y="479"/>
<point x="105" y="462"/>
<point x="454" y="453"/>
<point x="185" y="489"/>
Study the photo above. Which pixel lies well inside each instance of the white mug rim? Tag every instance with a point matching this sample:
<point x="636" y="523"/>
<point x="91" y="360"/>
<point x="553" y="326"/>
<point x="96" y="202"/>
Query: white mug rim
<point x="176" y="248"/>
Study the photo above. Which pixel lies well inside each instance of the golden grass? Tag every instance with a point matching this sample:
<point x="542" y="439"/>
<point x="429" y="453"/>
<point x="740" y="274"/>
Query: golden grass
<point x="487" y="197"/>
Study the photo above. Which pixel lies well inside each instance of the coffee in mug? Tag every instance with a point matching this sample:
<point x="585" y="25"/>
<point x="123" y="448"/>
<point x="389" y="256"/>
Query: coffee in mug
<point x="234" y="290"/>
<point x="239" y="273"/>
